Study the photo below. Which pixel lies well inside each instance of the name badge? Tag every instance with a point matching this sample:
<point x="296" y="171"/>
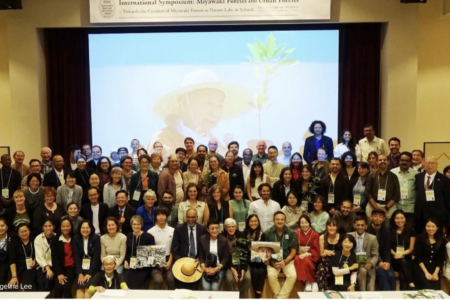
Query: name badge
<point x="286" y="236"/>
<point x="48" y="257"/>
<point x="241" y="226"/>
<point x="404" y="193"/>
<point x="381" y="195"/>
<point x="86" y="264"/>
<point x="339" y="280"/>
<point x="221" y="227"/>
<point x="430" y="195"/>
<point x="357" y="200"/>
<point x="400" y="249"/>
<point x="136" y="195"/>
<point x="29" y="262"/>
<point x="5" y="193"/>
<point x="331" y="198"/>
<point x="133" y="262"/>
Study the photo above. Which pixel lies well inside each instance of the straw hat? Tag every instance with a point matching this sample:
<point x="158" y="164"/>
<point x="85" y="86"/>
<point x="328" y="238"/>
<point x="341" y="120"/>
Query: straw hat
<point x="274" y="246"/>
<point x="186" y="269"/>
<point x="238" y="99"/>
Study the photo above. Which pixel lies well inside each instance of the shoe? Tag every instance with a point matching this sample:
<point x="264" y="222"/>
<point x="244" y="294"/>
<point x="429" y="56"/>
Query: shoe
<point x="315" y="287"/>
<point x="308" y="287"/>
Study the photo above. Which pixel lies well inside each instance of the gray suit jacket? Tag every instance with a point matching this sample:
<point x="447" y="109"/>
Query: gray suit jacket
<point x="62" y="194"/>
<point x="370" y="246"/>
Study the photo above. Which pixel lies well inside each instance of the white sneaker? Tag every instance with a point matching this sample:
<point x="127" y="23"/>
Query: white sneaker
<point x="308" y="287"/>
<point x="315" y="287"/>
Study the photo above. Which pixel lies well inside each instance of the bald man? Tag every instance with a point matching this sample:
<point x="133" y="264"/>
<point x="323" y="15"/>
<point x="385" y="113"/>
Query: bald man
<point x="213" y="144"/>
<point x="433" y="195"/>
<point x="287" y="152"/>
<point x="261" y="154"/>
<point x="56" y="177"/>
<point x="46" y="162"/>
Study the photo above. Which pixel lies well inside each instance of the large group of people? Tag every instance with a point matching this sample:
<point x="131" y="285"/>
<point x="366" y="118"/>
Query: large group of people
<point x="344" y="217"/>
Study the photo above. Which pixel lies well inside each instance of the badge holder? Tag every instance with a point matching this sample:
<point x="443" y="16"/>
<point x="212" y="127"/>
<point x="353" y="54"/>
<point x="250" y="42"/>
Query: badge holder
<point x="331" y="198"/>
<point x="29" y="262"/>
<point x="5" y="193"/>
<point x="430" y="195"/>
<point x="241" y="226"/>
<point x="136" y="195"/>
<point x="357" y="200"/>
<point x="381" y="195"/>
<point x="133" y="262"/>
<point x="404" y="193"/>
<point x="400" y="249"/>
<point x="86" y="265"/>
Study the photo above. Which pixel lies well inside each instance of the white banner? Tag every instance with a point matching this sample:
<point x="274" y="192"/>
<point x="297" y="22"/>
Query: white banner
<point x="134" y="11"/>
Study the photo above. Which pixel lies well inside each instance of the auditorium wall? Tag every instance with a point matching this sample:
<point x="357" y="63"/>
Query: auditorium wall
<point x="415" y="67"/>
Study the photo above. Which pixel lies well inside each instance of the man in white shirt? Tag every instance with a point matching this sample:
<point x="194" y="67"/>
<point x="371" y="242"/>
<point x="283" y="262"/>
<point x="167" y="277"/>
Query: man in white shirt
<point x="287" y="150"/>
<point x="264" y="208"/>
<point x="272" y="167"/>
<point x="246" y="164"/>
<point x="163" y="235"/>
<point x="95" y="211"/>
<point x="371" y="143"/>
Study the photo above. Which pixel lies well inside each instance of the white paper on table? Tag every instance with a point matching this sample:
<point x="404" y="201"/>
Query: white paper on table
<point x="114" y="293"/>
<point x="371" y="295"/>
<point x="180" y="294"/>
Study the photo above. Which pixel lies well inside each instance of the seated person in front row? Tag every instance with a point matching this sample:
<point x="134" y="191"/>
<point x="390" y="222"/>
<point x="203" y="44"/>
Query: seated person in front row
<point x="345" y="217"/>
<point x="384" y="271"/>
<point x="344" y="266"/>
<point x="288" y="240"/>
<point x="366" y="254"/>
<point x="108" y="278"/>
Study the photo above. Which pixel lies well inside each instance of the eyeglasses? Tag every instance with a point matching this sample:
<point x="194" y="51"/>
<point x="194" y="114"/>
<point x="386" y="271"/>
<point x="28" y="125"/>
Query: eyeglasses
<point x="109" y="264"/>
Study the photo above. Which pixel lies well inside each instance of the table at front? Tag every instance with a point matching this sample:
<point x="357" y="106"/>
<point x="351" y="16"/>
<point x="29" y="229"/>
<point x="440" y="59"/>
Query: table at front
<point x="164" y="294"/>
<point x="24" y="295"/>
<point x="356" y="295"/>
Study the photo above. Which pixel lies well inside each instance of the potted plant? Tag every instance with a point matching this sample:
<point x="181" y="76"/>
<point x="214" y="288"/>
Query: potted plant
<point x="239" y="254"/>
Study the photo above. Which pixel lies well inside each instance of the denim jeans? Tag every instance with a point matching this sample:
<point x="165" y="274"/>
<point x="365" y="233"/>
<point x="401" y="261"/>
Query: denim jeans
<point x="213" y="285"/>
<point x="386" y="279"/>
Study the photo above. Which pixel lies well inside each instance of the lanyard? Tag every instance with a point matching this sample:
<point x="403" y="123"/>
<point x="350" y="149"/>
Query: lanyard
<point x="24" y="251"/>
<point x="346" y="259"/>
<point x="112" y="278"/>
<point x="331" y="181"/>
<point x="387" y="178"/>
<point x="83" y="177"/>
<point x="132" y="243"/>
<point x="150" y="216"/>
<point x="403" y="245"/>
<point x="1" y="174"/>
<point x="140" y="181"/>
<point x="300" y="237"/>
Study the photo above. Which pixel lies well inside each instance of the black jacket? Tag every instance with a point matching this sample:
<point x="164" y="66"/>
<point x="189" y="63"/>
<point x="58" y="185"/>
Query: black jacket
<point x="58" y="255"/>
<point x="310" y="152"/>
<point x="129" y="212"/>
<point x="180" y="241"/>
<point x="340" y="189"/>
<point x="51" y="179"/>
<point x="279" y="195"/>
<point x="94" y="251"/>
<point x="222" y="249"/>
<point x="103" y="214"/>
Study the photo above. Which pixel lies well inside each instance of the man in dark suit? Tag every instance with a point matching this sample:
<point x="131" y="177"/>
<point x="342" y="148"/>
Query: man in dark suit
<point x="313" y="143"/>
<point x="56" y="177"/>
<point x="433" y="195"/>
<point x="95" y="211"/>
<point x="181" y="153"/>
<point x="335" y="187"/>
<point x="122" y="211"/>
<point x="96" y="154"/>
<point x="186" y="242"/>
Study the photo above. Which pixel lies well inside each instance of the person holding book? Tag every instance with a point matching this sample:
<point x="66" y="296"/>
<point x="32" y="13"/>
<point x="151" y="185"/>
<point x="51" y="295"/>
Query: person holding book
<point x="366" y="254"/>
<point x="344" y="266"/>
<point x="279" y="232"/>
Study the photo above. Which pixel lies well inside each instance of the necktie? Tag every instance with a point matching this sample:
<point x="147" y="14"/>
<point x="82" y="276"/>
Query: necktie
<point x="191" y="244"/>
<point x="121" y="213"/>
<point x="61" y="178"/>
<point x="427" y="187"/>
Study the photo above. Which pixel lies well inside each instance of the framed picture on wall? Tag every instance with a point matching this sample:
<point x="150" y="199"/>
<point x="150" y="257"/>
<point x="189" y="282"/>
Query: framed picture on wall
<point x="441" y="150"/>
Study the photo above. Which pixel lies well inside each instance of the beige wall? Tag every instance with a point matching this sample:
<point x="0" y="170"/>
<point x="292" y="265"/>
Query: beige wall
<point x="405" y="47"/>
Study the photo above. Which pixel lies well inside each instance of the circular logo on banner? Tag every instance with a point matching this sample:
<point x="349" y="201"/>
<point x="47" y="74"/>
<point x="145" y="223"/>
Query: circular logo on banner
<point x="107" y="8"/>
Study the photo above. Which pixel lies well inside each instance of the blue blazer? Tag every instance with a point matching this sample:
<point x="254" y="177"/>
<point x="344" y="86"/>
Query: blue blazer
<point x="309" y="151"/>
<point x="94" y="252"/>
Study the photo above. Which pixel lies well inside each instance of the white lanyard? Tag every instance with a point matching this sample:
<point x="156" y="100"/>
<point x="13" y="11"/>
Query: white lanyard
<point x="1" y="174"/>
<point x="385" y="186"/>
<point x="300" y="237"/>
<point x="403" y="241"/>
<point x="31" y="256"/>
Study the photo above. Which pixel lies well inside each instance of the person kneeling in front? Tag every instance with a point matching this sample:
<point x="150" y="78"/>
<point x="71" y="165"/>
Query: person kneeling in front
<point x="288" y="242"/>
<point x="108" y="278"/>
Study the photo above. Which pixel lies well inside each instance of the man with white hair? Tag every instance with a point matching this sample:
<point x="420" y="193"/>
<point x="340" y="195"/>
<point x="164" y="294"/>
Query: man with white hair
<point x="213" y="144"/>
<point x="46" y="162"/>
<point x="287" y="152"/>
<point x="433" y="195"/>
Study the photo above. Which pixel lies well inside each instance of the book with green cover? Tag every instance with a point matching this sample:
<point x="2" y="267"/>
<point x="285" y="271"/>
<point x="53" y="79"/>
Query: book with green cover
<point x="361" y="258"/>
